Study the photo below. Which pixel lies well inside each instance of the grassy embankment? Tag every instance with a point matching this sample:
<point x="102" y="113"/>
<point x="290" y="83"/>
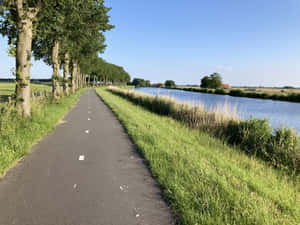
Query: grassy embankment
<point x="289" y="95"/>
<point x="18" y="135"/>
<point x="205" y="181"/>
<point x="279" y="148"/>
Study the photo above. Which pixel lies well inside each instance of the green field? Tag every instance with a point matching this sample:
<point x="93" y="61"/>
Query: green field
<point x="7" y="89"/>
<point x="204" y="180"/>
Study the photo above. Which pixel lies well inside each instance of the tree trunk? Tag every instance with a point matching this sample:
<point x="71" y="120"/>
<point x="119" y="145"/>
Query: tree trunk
<point x="89" y="80"/>
<point x="74" y="72"/>
<point x="23" y="64"/>
<point x="66" y="73"/>
<point x="23" y="55"/>
<point x="55" y="76"/>
<point x="78" y="77"/>
<point x="80" y="80"/>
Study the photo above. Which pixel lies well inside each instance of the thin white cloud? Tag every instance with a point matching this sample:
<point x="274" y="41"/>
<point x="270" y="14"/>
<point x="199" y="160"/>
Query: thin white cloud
<point x="224" y="68"/>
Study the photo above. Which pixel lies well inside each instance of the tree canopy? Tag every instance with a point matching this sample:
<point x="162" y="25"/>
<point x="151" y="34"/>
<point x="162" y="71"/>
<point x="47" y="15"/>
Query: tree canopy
<point x="138" y="82"/>
<point x="212" y="81"/>
<point x="170" y="84"/>
<point x="66" y="34"/>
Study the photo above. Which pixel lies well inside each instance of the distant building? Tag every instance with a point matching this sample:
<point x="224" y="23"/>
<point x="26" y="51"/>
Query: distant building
<point x="225" y="86"/>
<point x="157" y="85"/>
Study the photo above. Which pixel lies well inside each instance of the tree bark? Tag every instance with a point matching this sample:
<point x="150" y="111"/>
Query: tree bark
<point x="23" y="56"/>
<point x="74" y="73"/>
<point x="78" y="78"/>
<point x="66" y="74"/>
<point x="55" y="76"/>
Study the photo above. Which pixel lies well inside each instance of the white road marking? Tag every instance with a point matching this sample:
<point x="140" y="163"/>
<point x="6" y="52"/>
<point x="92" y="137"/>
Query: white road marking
<point x="89" y="119"/>
<point x="81" y="158"/>
<point x="87" y="131"/>
<point x="137" y="215"/>
<point x="75" y="186"/>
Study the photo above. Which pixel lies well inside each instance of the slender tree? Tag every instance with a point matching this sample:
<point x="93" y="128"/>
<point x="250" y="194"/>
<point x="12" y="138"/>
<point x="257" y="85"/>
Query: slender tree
<point x="18" y="24"/>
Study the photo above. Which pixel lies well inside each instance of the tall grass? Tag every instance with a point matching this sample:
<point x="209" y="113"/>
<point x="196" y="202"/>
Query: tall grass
<point x="18" y="134"/>
<point x="205" y="180"/>
<point x="254" y="136"/>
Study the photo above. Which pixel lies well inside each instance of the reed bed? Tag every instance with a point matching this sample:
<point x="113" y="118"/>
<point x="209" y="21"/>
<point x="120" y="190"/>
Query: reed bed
<point x="279" y="147"/>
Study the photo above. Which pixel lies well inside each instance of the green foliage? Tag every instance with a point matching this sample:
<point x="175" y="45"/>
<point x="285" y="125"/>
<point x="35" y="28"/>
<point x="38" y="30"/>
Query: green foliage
<point x="204" y="180"/>
<point x="283" y="149"/>
<point x="213" y="81"/>
<point x="252" y="135"/>
<point x="170" y="84"/>
<point x="220" y="91"/>
<point x="107" y="72"/>
<point x="138" y="82"/>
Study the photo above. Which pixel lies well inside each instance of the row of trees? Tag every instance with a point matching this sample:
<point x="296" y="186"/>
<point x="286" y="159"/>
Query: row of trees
<point x="66" y="34"/>
<point x="107" y="72"/>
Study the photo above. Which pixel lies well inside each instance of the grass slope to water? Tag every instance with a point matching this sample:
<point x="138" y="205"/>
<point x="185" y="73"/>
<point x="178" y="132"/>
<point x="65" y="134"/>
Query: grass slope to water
<point x="18" y="135"/>
<point x="279" y="147"/>
<point x="206" y="181"/>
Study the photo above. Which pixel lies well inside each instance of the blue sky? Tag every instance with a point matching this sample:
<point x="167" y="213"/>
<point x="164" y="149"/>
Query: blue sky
<point x="253" y="42"/>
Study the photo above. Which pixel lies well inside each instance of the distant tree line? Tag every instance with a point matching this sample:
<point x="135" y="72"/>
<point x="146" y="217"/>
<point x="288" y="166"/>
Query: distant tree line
<point x="106" y="73"/>
<point x="139" y="82"/>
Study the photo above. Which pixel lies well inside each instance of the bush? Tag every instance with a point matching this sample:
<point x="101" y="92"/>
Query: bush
<point x="237" y="93"/>
<point x="283" y="149"/>
<point x="220" y="91"/>
<point x="251" y="135"/>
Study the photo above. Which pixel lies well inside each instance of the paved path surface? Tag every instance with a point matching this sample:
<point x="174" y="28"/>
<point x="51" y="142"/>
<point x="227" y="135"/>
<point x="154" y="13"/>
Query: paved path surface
<point x="86" y="172"/>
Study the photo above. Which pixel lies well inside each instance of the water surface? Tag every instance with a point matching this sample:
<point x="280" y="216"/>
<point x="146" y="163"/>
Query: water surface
<point x="277" y="112"/>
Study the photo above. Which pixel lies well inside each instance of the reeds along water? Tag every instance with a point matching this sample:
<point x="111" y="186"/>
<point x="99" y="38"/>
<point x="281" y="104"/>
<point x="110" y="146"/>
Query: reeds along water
<point x="194" y="116"/>
<point x="254" y="136"/>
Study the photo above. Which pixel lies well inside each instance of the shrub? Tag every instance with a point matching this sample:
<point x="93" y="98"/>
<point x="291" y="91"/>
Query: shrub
<point x="251" y="135"/>
<point x="220" y="91"/>
<point x="237" y="92"/>
<point x="283" y="150"/>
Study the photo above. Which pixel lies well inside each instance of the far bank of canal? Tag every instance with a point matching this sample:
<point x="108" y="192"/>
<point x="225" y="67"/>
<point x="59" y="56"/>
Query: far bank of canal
<point x="277" y="112"/>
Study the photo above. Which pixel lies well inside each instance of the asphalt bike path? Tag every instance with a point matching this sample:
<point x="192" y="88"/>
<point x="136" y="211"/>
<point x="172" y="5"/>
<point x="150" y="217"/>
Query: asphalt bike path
<point x="86" y="172"/>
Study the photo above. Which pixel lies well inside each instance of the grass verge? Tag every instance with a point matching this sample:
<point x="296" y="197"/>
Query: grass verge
<point x="205" y="181"/>
<point x="18" y="135"/>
